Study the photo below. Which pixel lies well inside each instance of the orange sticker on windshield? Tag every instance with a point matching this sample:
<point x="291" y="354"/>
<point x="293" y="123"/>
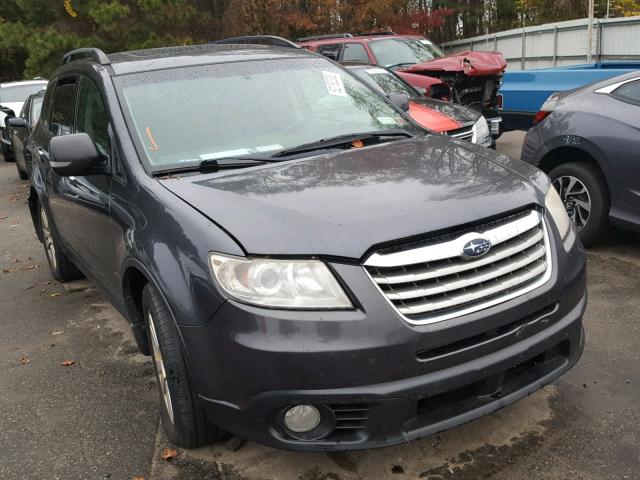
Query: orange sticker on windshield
<point x="154" y="145"/>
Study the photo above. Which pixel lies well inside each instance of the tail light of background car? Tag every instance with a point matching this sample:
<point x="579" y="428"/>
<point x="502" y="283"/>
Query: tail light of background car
<point x="547" y="108"/>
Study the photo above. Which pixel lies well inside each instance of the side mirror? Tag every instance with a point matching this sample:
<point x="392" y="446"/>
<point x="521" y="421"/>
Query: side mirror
<point x="75" y="154"/>
<point x="17" y="122"/>
<point x="400" y="100"/>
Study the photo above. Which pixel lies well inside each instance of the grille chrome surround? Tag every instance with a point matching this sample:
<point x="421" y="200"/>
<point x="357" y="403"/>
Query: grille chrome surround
<point x="466" y="132"/>
<point x="434" y="283"/>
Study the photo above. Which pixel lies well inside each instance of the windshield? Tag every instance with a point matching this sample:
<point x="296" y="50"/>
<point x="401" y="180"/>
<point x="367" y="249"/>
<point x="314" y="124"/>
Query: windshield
<point x="19" y="93"/>
<point x="36" y="108"/>
<point x="391" y="52"/>
<point x="385" y="81"/>
<point x="184" y="116"/>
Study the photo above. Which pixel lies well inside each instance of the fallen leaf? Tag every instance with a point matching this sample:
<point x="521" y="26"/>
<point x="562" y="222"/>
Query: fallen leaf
<point x="8" y="270"/>
<point x="31" y="267"/>
<point x="3" y="218"/>
<point x="168" y="454"/>
<point x="55" y="294"/>
<point x="68" y="363"/>
<point x="24" y="360"/>
<point x="56" y="332"/>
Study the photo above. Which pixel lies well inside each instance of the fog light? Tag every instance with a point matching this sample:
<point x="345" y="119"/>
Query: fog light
<point x="302" y="418"/>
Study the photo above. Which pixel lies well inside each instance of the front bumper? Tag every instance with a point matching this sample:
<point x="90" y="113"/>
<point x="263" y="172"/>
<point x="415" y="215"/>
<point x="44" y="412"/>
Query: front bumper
<point x="377" y="380"/>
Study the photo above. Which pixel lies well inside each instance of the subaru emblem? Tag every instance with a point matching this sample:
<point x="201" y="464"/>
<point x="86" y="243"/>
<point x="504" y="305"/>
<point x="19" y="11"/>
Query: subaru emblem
<point x="476" y="247"/>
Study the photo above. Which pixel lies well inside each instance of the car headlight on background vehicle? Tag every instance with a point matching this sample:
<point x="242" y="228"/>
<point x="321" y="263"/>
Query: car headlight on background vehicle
<point x="481" y="133"/>
<point x="292" y="284"/>
<point x="555" y="207"/>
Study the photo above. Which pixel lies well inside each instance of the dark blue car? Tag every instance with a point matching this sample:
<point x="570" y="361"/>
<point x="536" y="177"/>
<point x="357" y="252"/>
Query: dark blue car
<point x="307" y="267"/>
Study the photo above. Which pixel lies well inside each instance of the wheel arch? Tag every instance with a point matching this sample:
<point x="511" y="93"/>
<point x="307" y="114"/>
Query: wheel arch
<point x="573" y="154"/>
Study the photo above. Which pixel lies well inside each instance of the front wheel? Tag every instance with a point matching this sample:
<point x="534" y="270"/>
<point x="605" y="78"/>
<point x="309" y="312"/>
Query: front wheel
<point x="183" y="417"/>
<point x="585" y="196"/>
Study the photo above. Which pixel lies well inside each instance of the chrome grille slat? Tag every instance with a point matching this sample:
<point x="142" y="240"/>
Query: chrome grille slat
<point x="493" y="256"/>
<point x="441" y="251"/>
<point x="434" y="282"/>
<point x="497" y="288"/>
<point x="443" y="286"/>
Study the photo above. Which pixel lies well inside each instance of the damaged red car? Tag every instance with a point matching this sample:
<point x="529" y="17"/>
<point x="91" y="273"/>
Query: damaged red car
<point x="469" y="78"/>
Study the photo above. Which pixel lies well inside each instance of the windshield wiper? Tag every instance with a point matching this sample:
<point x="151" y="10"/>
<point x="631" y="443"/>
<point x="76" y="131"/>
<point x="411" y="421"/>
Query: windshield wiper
<point x="213" y="165"/>
<point x="396" y="65"/>
<point x="331" y="142"/>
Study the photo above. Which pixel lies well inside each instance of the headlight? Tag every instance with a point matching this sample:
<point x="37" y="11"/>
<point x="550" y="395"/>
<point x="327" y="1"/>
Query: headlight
<point x="555" y="207"/>
<point x="295" y="284"/>
<point x="481" y="131"/>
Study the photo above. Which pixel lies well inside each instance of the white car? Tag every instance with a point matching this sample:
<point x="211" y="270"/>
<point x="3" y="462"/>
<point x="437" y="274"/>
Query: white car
<point x="12" y="98"/>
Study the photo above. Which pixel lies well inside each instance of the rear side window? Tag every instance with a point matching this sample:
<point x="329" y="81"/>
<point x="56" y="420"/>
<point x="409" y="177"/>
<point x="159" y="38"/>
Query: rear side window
<point x="62" y="106"/>
<point x="354" y="52"/>
<point x="92" y="117"/>
<point x="629" y="92"/>
<point x="36" y="108"/>
<point x="331" y="51"/>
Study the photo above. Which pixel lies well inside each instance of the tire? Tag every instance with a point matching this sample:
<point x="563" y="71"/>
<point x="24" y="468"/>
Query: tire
<point x="7" y="154"/>
<point x="60" y="266"/>
<point x="182" y="415"/>
<point x="21" y="173"/>
<point x="594" y="226"/>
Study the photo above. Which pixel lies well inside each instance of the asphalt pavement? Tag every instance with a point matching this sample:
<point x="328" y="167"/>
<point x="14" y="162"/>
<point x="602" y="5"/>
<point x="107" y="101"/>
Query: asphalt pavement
<point x="98" y="418"/>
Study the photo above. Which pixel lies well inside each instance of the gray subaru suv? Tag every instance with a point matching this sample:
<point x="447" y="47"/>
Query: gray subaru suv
<point x="307" y="268"/>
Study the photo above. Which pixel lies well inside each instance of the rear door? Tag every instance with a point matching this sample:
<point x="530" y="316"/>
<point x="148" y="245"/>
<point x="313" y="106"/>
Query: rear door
<point x="626" y="158"/>
<point x="58" y="121"/>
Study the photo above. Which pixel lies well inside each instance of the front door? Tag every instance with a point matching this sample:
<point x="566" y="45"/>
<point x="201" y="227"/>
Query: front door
<point x="89" y="196"/>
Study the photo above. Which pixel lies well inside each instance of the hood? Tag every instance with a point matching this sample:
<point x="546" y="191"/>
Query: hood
<point x="459" y="114"/>
<point x="473" y="64"/>
<point x="342" y="204"/>
<point x="431" y="119"/>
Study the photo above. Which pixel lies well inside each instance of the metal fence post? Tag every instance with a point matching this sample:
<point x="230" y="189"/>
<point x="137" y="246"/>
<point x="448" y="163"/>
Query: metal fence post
<point x="523" y="62"/>
<point x="555" y="46"/>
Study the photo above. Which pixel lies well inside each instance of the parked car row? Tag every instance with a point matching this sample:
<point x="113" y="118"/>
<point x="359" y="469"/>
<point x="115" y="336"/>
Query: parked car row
<point x="12" y="98"/>
<point x="307" y="266"/>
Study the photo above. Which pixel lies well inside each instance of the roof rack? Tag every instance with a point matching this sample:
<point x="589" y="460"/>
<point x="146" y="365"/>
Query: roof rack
<point x="79" y="53"/>
<point x="374" y="34"/>
<point x="325" y="37"/>
<point x="257" y="40"/>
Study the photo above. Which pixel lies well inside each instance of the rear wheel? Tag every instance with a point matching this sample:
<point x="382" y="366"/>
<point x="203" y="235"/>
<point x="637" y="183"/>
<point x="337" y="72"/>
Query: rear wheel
<point x="60" y="266"/>
<point x="7" y="153"/>
<point x="585" y="196"/>
<point x="21" y="173"/>
<point x="183" y="417"/>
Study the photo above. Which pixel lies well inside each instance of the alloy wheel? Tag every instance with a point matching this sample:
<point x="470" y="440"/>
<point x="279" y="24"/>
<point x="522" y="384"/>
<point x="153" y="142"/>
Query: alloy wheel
<point x="49" y="246"/>
<point x="576" y="199"/>
<point x="162" y="373"/>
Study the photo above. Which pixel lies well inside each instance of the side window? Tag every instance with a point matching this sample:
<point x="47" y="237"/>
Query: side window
<point x="36" y="108"/>
<point x="62" y="107"/>
<point x="331" y="51"/>
<point x="92" y="117"/>
<point x="354" y="52"/>
<point x="629" y="92"/>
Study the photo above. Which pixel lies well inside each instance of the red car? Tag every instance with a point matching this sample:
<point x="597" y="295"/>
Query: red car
<point x="468" y="78"/>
